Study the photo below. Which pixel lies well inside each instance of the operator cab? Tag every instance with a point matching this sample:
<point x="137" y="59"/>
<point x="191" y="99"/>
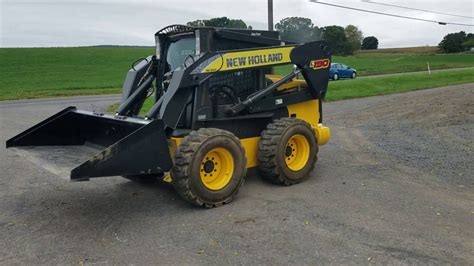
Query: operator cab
<point x="178" y="46"/>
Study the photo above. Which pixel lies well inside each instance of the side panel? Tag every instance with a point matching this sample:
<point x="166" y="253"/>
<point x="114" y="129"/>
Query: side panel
<point x="310" y="112"/>
<point x="250" y="146"/>
<point x="307" y="111"/>
<point x="250" y="58"/>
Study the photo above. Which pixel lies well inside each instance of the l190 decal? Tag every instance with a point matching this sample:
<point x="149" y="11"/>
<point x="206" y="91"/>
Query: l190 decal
<point x="319" y="64"/>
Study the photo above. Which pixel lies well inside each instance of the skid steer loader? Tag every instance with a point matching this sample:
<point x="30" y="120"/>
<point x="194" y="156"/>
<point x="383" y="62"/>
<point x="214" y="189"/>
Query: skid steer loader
<point x="218" y="110"/>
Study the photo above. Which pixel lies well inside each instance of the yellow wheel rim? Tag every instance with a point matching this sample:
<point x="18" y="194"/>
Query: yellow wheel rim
<point x="297" y="152"/>
<point x="216" y="168"/>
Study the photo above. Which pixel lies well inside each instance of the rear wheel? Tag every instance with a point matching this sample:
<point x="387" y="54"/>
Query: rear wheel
<point x="335" y="76"/>
<point x="287" y="151"/>
<point x="209" y="167"/>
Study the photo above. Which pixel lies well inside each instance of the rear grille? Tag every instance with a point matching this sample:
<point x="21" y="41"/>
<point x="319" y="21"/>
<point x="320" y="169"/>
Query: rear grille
<point x="243" y="82"/>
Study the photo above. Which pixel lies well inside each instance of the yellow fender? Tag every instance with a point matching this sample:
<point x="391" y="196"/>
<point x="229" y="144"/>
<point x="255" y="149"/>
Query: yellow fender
<point x="323" y="134"/>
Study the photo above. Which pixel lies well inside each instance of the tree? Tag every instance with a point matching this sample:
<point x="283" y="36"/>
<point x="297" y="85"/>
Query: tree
<point x="238" y="24"/>
<point x="468" y="44"/>
<point x="316" y="34"/>
<point x="223" y="22"/>
<point x="354" y="36"/>
<point x="297" y="29"/>
<point x="197" y="23"/>
<point x="370" y="43"/>
<point x="337" y="40"/>
<point x="453" y="42"/>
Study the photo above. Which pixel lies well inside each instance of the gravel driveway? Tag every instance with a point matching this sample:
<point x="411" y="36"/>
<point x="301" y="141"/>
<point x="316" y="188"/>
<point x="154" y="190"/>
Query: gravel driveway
<point x="395" y="184"/>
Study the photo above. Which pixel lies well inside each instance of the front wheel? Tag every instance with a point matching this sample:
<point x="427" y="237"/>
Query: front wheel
<point x="354" y="75"/>
<point x="209" y="167"/>
<point x="287" y="151"/>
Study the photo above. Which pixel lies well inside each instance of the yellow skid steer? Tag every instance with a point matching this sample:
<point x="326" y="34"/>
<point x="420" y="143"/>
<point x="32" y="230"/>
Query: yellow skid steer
<point x="218" y="110"/>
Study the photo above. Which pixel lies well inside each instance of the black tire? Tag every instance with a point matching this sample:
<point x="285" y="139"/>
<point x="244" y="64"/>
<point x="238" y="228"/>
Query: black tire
<point x="335" y="77"/>
<point x="354" y="75"/>
<point x="273" y="151"/>
<point x="186" y="172"/>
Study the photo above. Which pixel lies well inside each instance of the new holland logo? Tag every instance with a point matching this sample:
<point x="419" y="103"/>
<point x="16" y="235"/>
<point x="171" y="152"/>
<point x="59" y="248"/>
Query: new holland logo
<point x="319" y="64"/>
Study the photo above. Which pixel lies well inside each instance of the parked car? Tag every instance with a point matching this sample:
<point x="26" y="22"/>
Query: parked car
<point x="338" y="71"/>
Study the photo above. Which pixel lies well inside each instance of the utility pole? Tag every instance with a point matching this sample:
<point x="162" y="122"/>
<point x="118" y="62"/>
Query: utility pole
<point x="270" y="15"/>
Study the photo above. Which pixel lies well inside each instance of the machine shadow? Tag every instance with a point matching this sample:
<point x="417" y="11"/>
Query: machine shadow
<point x="95" y="204"/>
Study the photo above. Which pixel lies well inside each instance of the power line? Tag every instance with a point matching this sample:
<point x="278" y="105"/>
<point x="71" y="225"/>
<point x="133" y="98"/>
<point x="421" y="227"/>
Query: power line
<point x="391" y="15"/>
<point x="416" y="9"/>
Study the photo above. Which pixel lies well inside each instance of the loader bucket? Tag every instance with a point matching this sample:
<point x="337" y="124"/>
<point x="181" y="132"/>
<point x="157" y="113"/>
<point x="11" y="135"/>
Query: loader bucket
<point x="80" y="144"/>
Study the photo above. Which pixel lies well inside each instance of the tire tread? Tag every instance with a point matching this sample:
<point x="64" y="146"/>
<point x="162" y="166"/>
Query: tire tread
<point x="267" y="150"/>
<point x="184" y="158"/>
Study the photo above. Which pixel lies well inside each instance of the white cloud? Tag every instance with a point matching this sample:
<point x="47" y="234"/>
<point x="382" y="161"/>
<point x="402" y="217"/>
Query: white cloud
<point x="133" y="22"/>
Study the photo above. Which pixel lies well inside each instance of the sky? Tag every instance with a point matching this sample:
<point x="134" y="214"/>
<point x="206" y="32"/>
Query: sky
<point x="55" y="23"/>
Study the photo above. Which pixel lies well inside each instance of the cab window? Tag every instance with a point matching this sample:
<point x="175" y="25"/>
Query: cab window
<point x="179" y="50"/>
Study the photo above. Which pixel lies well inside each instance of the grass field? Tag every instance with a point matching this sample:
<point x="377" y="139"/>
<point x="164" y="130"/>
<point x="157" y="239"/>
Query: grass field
<point x="371" y="86"/>
<point x="403" y="50"/>
<point x="368" y="64"/>
<point x="48" y="72"/>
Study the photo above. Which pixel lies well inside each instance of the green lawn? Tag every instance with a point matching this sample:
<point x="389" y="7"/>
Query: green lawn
<point x="374" y="64"/>
<point x="386" y="63"/>
<point x="47" y="72"/>
<point x="371" y="86"/>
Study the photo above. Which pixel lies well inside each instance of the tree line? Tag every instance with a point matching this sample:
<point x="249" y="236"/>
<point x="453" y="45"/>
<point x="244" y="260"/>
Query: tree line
<point x="343" y="40"/>
<point x="457" y="42"/>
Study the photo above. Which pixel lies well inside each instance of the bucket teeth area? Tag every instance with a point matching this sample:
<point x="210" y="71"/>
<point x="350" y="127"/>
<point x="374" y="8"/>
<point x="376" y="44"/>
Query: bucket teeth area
<point x="79" y="144"/>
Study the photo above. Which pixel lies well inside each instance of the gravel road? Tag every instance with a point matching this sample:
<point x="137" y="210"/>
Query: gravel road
<point x="394" y="185"/>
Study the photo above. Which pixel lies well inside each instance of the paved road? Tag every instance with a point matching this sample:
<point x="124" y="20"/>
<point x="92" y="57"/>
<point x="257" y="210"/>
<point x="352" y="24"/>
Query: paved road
<point x="395" y="184"/>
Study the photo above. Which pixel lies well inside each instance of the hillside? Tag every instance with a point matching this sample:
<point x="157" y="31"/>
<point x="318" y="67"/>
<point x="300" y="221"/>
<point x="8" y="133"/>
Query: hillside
<point x="48" y="72"/>
<point x="403" y="50"/>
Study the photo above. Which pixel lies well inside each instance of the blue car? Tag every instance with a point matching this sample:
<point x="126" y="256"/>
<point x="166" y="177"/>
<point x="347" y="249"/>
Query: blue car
<point x="338" y="71"/>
